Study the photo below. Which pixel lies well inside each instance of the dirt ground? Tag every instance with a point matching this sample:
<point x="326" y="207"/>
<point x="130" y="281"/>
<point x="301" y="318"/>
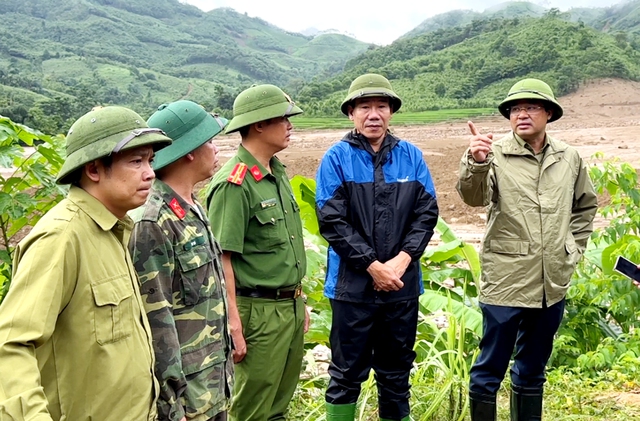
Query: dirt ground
<point x="602" y="116"/>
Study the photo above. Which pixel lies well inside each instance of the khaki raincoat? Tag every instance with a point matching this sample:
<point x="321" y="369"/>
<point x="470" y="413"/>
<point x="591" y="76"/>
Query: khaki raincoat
<point x="540" y="211"/>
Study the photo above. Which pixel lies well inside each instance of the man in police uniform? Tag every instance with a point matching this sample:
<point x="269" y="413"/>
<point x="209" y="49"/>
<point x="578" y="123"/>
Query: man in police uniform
<point x="180" y="270"/>
<point x="255" y="217"/>
<point x="74" y="339"/>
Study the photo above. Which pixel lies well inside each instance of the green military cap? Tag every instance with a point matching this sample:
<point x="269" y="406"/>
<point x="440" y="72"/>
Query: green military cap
<point x="104" y="131"/>
<point x="370" y="85"/>
<point x="259" y="103"/>
<point x="188" y="125"/>
<point x="531" y="89"/>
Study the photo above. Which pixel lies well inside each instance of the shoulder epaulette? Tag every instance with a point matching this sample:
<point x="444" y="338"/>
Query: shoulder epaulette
<point x="238" y="173"/>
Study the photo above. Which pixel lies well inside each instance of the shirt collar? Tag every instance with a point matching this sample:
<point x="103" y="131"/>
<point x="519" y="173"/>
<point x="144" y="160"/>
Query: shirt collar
<point x="96" y="210"/>
<point x="245" y="156"/>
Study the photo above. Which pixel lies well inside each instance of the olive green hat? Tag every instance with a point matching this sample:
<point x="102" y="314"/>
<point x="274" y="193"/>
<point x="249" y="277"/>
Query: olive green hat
<point x="370" y="85"/>
<point x="259" y="103"/>
<point x="104" y="131"/>
<point x="531" y="89"/>
<point x="188" y="125"/>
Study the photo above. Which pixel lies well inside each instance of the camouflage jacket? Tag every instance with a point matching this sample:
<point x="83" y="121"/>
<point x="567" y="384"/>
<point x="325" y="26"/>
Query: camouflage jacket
<point x="182" y="286"/>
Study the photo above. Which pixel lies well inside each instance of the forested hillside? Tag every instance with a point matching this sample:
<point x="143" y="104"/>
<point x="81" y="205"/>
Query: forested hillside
<point x="624" y="16"/>
<point x="474" y="65"/>
<point x="60" y="58"/>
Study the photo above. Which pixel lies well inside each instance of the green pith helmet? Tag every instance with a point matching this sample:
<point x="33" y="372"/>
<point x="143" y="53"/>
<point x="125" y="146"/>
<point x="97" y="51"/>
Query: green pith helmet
<point x="370" y="85"/>
<point x="104" y="131"/>
<point x="531" y="89"/>
<point x="188" y="124"/>
<point x="259" y="103"/>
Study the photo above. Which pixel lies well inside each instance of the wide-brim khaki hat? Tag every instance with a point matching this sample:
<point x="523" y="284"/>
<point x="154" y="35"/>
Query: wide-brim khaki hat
<point x="534" y="89"/>
<point x="105" y="131"/>
<point x="368" y="86"/>
<point x="260" y="103"/>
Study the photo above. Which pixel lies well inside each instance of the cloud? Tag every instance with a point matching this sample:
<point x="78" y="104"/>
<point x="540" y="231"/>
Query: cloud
<point x="375" y="22"/>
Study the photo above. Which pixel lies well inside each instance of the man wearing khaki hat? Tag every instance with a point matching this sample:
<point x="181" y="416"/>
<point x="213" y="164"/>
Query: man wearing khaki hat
<point x="540" y="207"/>
<point x="178" y="261"/>
<point x="255" y="217"/>
<point x="377" y="209"/>
<point x="74" y="339"/>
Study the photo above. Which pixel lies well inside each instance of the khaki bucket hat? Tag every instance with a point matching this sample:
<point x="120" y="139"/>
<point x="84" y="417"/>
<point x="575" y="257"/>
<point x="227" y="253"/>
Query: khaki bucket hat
<point x="104" y="131"/>
<point x="259" y="103"/>
<point x="531" y="89"/>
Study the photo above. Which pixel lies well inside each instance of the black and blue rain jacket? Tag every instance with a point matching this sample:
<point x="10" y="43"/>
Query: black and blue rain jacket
<point x="371" y="206"/>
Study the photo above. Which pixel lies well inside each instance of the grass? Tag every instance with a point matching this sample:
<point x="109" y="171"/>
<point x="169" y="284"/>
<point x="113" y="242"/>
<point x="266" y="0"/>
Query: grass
<point x="568" y="397"/>
<point x="399" y="119"/>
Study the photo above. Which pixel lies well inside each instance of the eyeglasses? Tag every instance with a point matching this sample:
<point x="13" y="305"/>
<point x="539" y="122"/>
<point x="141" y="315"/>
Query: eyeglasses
<point x="529" y="109"/>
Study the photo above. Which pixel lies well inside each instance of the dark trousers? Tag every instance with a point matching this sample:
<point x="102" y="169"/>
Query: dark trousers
<point x="531" y="331"/>
<point x="222" y="416"/>
<point x="373" y="336"/>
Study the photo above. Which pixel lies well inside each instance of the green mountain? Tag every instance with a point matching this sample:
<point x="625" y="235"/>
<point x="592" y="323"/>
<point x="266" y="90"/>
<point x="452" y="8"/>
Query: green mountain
<point x="453" y="18"/>
<point x="620" y="17"/>
<point x="474" y="65"/>
<point x="63" y="57"/>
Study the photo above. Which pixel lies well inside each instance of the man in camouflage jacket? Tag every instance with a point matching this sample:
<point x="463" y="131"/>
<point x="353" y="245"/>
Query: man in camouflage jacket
<point x="179" y="265"/>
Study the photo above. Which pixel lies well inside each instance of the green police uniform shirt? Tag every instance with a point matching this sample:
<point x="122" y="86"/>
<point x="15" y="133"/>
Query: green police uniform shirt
<point x="182" y="286"/>
<point x="74" y="340"/>
<point x="254" y="214"/>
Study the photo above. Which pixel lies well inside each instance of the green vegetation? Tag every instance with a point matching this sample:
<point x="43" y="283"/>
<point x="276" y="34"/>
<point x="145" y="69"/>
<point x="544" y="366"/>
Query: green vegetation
<point x="473" y="66"/>
<point x="624" y="16"/>
<point x="27" y="189"/>
<point x="72" y="55"/>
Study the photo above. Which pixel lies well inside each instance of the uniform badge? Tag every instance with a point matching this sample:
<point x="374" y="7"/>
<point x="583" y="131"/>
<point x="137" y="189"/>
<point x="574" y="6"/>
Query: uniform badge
<point x="269" y="203"/>
<point x="176" y="208"/>
<point x="256" y="173"/>
<point x="238" y="173"/>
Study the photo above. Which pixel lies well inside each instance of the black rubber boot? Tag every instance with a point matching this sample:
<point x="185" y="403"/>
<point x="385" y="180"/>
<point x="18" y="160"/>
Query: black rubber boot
<point x="526" y="404"/>
<point x="483" y="407"/>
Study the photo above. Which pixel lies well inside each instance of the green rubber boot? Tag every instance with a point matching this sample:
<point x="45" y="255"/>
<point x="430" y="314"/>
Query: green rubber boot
<point x="345" y="412"/>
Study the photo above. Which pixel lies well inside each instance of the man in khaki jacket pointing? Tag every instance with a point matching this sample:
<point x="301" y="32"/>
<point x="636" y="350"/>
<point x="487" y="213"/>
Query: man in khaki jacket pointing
<point x="540" y="208"/>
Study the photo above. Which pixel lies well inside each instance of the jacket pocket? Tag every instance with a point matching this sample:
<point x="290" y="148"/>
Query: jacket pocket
<point x="271" y="231"/>
<point x="571" y="248"/>
<point x="194" y="274"/>
<point x="511" y="247"/>
<point x="113" y="314"/>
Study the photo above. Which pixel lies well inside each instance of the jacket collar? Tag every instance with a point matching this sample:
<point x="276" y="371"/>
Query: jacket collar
<point x="512" y="144"/>
<point x="359" y="141"/>
<point x="96" y="210"/>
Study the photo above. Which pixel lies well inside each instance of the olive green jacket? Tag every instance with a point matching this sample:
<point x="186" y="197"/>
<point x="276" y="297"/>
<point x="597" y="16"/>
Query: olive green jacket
<point x="540" y="212"/>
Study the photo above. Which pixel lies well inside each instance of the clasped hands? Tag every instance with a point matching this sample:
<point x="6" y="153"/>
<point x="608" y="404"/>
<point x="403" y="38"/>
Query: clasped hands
<point x="386" y="276"/>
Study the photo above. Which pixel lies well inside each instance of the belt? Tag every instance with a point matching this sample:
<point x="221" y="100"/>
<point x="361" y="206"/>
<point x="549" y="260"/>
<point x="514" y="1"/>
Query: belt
<point x="269" y="293"/>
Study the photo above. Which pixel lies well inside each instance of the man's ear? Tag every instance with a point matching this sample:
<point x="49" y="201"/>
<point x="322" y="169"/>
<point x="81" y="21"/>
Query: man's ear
<point x="259" y="126"/>
<point x="190" y="156"/>
<point x="92" y="170"/>
<point x="549" y="114"/>
<point x="350" y="112"/>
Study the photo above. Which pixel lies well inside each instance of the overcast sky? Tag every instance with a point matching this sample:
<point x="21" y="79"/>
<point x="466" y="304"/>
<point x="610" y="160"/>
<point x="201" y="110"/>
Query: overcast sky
<point x="379" y="22"/>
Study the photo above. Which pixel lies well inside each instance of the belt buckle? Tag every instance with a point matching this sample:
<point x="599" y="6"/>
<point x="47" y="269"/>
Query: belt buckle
<point x="298" y="292"/>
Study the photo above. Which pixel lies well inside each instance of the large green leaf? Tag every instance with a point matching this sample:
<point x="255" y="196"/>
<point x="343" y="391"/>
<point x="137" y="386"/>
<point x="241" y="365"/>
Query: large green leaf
<point x="433" y="301"/>
<point x="304" y="190"/>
